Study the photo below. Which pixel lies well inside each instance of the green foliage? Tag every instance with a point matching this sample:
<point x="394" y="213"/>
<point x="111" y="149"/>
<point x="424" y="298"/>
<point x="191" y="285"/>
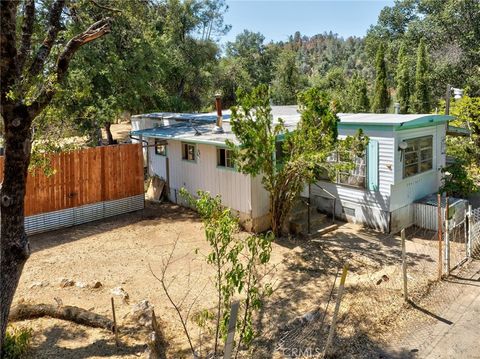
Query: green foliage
<point x="236" y="262"/>
<point x="421" y="95"/>
<point x="403" y="80"/>
<point x="357" y="95"/>
<point x="381" y="97"/>
<point x="466" y="150"/>
<point x="305" y="150"/>
<point x="159" y="55"/>
<point x="288" y="80"/>
<point x="456" y="180"/>
<point x="17" y="342"/>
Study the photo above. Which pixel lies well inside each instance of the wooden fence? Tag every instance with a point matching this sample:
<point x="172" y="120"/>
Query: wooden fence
<point x="86" y="176"/>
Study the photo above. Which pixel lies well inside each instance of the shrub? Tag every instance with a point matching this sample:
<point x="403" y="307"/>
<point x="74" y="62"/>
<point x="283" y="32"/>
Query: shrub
<point x="17" y="342"/>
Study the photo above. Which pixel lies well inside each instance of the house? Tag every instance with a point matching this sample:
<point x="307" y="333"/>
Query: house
<point x="402" y="164"/>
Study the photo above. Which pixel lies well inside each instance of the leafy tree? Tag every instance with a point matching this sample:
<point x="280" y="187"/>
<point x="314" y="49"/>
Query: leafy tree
<point x="305" y="150"/>
<point x="30" y="78"/>
<point x="422" y="88"/>
<point x="287" y="79"/>
<point x="381" y="97"/>
<point x="357" y="95"/>
<point x="466" y="151"/>
<point x="403" y="80"/>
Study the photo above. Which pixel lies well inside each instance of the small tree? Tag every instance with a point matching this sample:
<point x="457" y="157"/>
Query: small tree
<point x="403" y="80"/>
<point x="237" y="264"/>
<point x="381" y="99"/>
<point x="304" y="151"/>
<point x="421" y="96"/>
<point x="357" y="95"/>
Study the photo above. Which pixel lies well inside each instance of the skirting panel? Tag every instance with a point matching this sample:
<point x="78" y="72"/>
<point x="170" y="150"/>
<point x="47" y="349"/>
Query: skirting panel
<point x="77" y="215"/>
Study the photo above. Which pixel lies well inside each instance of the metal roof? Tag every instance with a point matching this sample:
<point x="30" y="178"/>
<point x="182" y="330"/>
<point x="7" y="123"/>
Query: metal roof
<point x="199" y="128"/>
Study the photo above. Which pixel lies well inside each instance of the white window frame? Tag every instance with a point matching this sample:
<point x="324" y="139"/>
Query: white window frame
<point x="228" y="158"/>
<point x="414" y="149"/>
<point x="186" y="152"/>
<point x="160" y="144"/>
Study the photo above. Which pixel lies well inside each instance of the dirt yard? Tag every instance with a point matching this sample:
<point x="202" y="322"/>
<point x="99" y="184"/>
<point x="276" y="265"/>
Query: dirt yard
<point x="120" y="251"/>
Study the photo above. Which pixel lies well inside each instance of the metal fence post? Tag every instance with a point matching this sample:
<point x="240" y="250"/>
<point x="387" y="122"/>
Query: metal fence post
<point x="227" y="353"/>
<point x="447" y="239"/>
<point x="337" y="309"/>
<point x="469" y="232"/>
<point x="404" y="266"/>
<point x="440" y="235"/>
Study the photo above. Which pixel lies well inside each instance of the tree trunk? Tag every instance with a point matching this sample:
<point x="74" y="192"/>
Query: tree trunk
<point x="15" y="248"/>
<point x="70" y="313"/>
<point x="110" y="139"/>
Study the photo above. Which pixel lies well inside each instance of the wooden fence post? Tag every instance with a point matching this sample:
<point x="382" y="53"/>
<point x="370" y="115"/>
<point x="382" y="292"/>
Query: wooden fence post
<point x="447" y="239"/>
<point x="404" y="266"/>
<point x="115" y="329"/>
<point x="337" y="308"/>
<point x="440" y="235"/>
<point x="227" y="353"/>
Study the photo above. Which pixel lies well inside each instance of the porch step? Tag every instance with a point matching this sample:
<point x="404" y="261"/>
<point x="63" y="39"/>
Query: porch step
<point x="300" y="225"/>
<point x="322" y="231"/>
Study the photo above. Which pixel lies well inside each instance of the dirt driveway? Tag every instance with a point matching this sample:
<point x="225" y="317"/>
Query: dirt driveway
<point x="119" y="252"/>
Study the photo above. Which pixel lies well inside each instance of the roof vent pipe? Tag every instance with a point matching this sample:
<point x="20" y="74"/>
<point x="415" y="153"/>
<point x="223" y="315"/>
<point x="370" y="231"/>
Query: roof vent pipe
<point x="396" y="107"/>
<point x="218" y="105"/>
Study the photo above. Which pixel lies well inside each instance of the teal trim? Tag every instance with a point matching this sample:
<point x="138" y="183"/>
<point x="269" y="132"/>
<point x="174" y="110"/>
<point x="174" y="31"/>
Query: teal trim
<point x="372" y="165"/>
<point x="365" y="127"/>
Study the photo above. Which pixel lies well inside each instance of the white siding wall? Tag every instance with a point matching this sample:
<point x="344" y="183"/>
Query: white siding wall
<point x="157" y="164"/>
<point x="234" y="187"/>
<point x="370" y="206"/>
<point x="260" y="198"/>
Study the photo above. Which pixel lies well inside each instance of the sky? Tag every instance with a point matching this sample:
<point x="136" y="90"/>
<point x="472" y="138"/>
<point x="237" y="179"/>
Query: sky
<point x="277" y="19"/>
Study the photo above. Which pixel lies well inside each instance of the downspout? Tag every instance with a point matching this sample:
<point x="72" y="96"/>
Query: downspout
<point x="146" y="145"/>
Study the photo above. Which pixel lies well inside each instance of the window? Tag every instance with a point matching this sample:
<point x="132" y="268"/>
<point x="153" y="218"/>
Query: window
<point x="224" y="158"/>
<point x="160" y="147"/>
<point x="418" y="156"/>
<point x="355" y="177"/>
<point x="188" y="152"/>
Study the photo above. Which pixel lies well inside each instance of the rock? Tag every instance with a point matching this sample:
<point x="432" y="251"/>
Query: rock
<point x="119" y="291"/>
<point x="96" y="285"/>
<point x="141" y="313"/>
<point x="64" y="282"/>
<point x="41" y="284"/>
<point x="80" y="285"/>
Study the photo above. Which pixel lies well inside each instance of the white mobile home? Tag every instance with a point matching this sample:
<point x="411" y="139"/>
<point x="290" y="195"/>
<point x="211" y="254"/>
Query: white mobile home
<point x="402" y="164"/>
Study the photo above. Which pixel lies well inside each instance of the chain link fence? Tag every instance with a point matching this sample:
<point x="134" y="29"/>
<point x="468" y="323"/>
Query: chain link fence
<point x="382" y="293"/>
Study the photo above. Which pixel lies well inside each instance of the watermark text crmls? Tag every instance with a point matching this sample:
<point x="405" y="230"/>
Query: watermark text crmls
<point x="300" y="352"/>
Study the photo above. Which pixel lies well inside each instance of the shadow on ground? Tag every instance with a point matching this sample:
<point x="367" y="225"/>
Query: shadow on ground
<point x="153" y="214"/>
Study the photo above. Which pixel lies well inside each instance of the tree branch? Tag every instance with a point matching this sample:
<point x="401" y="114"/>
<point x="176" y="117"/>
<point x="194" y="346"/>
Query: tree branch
<point x="95" y="31"/>
<point x="27" y="31"/>
<point x="54" y="28"/>
<point x="8" y="50"/>
<point x="105" y="7"/>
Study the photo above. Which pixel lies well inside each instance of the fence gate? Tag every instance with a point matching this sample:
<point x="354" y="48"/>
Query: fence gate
<point x="474" y="233"/>
<point x="456" y="235"/>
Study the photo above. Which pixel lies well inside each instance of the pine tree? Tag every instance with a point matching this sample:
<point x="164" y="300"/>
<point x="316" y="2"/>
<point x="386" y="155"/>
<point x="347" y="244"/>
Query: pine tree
<point x="357" y="95"/>
<point x="403" y="80"/>
<point x="381" y="99"/>
<point x="422" y="92"/>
